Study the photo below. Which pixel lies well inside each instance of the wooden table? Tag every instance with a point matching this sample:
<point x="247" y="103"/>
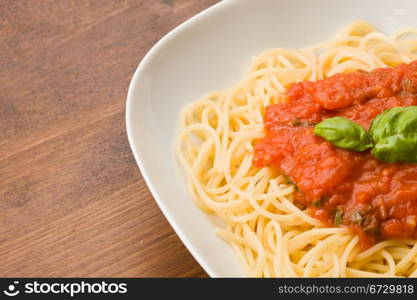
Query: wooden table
<point x="72" y="201"/>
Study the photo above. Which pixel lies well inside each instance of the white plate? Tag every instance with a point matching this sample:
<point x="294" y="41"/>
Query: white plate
<point x="211" y="51"/>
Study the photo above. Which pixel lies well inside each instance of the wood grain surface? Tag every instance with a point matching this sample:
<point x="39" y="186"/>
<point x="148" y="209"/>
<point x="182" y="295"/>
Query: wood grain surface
<point x="72" y="201"/>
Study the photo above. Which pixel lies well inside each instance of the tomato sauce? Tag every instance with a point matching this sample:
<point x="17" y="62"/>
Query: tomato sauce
<point x="375" y="199"/>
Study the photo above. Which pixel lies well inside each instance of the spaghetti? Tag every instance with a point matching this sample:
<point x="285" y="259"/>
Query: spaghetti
<point x="273" y="235"/>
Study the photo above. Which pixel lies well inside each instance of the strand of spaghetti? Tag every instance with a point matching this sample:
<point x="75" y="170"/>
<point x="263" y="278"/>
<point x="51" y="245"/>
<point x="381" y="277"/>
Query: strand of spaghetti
<point x="296" y="211"/>
<point x="404" y="31"/>
<point x="375" y="248"/>
<point x="199" y="127"/>
<point x="278" y="259"/>
<point x="406" y="259"/>
<point x="228" y="235"/>
<point x="318" y="264"/>
<point x="254" y="214"/>
<point x="187" y="114"/>
<point x="278" y="85"/>
<point x="305" y="238"/>
<point x="203" y="153"/>
<point x="276" y="194"/>
<point x="414" y="274"/>
<point x="255" y="110"/>
<point x="391" y="263"/>
<point x="250" y="197"/>
<point x="379" y="62"/>
<point x="206" y="199"/>
<point x="358" y="28"/>
<point x="336" y="266"/>
<point x="274" y="53"/>
<point x="257" y="246"/>
<point x="346" y="254"/>
<point x="308" y="268"/>
<point x="247" y="252"/>
<point x="377" y="266"/>
<point x="289" y="267"/>
<point x="243" y="168"/>
<point x="240" y="255"/>
<point x="359" y="273"/>
<point x="224" y="119"/>
<point x="364" y="57"/>
<point x="261" y="210"/>
<point x="196" y="199"/>
<point x="260" y="226"/>
<point x="321" y="246"/>
<point x="288" y="206"/>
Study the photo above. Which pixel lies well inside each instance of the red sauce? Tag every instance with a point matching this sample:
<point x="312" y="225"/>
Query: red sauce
<point x="377" y="199"/>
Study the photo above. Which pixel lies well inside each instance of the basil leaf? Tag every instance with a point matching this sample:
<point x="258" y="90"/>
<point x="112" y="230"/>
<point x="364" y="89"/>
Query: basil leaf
<point x="320" y="201"/>
<point x="317" y="203"/>
<point x="344" y="133"/>
<point x="394" y="133"/>
<point x="297" y="122"/>
<point x="338" y="217"/>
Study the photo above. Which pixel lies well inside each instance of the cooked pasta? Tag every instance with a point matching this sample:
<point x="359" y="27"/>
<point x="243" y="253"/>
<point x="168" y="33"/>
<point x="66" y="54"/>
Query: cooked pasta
<point x="273" y="235"/>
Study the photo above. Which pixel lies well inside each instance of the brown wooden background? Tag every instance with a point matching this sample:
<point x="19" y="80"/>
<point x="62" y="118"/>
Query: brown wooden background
<point x="72" y="201"/>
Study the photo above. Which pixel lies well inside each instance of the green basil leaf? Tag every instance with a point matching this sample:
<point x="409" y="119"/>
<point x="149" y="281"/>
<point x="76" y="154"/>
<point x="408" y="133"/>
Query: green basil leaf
<point x="317" y="203"/>
<point x="320" y="201"/>
<point x="394" y="133"/>
<point x="297" y="122"/>
<point x="338" y="217"/>
<point x="344" y="133"/>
